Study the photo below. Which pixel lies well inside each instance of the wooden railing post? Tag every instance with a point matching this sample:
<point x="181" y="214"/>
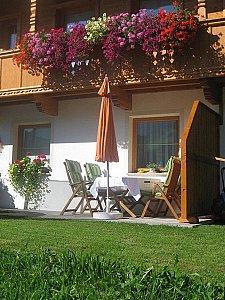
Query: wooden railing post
<point x="202" y="9"/>
<point x="33" y="8"/>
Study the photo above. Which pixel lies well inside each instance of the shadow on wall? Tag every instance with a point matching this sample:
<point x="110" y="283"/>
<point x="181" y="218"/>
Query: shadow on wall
<point x="6" y="199"/>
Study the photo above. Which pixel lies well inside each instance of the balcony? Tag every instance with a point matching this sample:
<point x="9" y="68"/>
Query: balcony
<point x="200" y="66"/>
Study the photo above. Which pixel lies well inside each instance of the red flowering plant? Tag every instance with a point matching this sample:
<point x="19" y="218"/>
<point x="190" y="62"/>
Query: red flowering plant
<point x="28" y="178"/>
<point x="179" y="28"/>
<point x="25" y="56"/>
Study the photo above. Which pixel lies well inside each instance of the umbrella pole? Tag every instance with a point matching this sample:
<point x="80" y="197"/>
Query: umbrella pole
<point x="107" y="192"/>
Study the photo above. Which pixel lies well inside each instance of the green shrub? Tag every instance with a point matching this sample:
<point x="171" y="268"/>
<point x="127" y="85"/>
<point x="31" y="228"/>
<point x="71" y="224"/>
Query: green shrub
<point x="47" y="275"/>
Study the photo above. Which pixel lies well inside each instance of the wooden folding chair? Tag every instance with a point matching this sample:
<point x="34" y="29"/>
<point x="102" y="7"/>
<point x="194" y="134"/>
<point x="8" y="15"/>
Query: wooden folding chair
<point x="93" y="171"/>
<point x="118" y="194"/>
<point x="168" y="192"/>
<point x="79" y="189"/>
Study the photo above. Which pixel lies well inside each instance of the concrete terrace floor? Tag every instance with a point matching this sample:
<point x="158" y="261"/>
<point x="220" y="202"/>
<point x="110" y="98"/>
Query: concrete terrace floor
<point x="43" y="214"/>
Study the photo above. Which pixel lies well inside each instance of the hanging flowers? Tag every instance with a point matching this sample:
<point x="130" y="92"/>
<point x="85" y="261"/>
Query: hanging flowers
<point x="171" y="31"/>
<point x="78" y="48"/>
<point x="178" y="29"/>
<point x="96" y="30"/>
<point x="42" y="51"/>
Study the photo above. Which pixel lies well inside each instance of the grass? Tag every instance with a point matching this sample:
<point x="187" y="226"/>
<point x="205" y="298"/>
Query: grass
<point x="47" y="275"/>
<point x="198" y="250"/>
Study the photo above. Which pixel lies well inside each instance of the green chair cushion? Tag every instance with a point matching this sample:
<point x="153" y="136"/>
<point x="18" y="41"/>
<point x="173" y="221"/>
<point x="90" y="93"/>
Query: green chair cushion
<point x="74" y="171"/>
<point x="93" y="171"/>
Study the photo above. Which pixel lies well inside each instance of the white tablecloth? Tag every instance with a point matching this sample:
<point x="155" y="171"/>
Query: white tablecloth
<point x="147" y="181"/>
<point x="129" y="182"/>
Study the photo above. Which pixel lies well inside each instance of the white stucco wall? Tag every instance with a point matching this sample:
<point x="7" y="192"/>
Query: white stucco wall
<point x="73" y="133"/>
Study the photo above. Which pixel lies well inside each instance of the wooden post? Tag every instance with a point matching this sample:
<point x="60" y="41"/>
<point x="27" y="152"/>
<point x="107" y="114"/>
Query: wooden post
<point x="33" y="8"/>
<point x="202" y="9"/>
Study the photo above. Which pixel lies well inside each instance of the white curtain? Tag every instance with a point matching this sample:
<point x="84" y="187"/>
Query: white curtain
<point x="156" y="142"/>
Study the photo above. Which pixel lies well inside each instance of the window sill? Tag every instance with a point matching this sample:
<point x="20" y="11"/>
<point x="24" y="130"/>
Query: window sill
<point x="147" y="174"/>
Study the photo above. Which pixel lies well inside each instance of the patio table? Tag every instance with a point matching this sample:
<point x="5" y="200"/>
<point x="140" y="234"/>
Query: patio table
<point x="131" y="183"/>
<point x="128" y="185"/>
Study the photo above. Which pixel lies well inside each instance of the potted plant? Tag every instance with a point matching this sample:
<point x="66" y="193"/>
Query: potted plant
<point x="29" y="178"/>
<point x="152" y="167"/>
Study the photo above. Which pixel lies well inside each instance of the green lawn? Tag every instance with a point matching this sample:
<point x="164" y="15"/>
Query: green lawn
<point x="200" y="249"/>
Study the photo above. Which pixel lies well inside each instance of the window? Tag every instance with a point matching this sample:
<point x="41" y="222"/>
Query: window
<point x="34" y="139"/>
<point x="69" y="14"/>
<point x="154" y="140"/>
<point x="8" y="34"/>
<point x="155" y="5"/>
<point x="73" y="19"/>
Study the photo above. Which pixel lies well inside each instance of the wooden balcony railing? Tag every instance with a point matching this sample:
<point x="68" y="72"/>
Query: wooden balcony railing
<point x="205" y="59"/>
<point x="13" y="78"/>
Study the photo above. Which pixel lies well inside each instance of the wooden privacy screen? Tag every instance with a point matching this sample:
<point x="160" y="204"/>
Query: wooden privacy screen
<point x="199" y="170"/>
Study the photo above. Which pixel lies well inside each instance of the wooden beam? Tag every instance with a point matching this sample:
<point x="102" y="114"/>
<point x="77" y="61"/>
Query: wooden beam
<point x="212" y="90"/>
<point x="46" y="105"/>
<point x="121" y="98"/>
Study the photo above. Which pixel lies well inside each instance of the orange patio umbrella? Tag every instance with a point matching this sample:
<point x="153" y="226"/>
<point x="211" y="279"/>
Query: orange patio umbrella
<point x="106" y="148"/>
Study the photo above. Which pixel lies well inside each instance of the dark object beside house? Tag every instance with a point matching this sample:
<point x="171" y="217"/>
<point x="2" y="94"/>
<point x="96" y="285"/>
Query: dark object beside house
<point x="218" y="206"/>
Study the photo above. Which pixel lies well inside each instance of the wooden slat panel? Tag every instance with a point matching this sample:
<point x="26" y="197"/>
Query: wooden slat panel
<point x="200" y="171"/>
<point x="10" y="74"/>
<point x="214" y="9"/>
<point x="29" y="80"/>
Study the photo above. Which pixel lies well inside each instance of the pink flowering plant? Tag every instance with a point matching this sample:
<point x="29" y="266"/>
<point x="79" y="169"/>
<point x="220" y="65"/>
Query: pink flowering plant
<point x="164" y="31"/>
<point x="28" y="178"/>
<point x="148" y="30"/>
<point x="78" y="48"/>
<point x="127" y="32"/>
<point x="120" y="36"/>
<point x="170" y="31"/>
<point x="42" y="51"/>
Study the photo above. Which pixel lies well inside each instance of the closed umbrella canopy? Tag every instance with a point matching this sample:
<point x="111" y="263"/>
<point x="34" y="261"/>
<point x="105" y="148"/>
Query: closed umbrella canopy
<point x="106" y="149"/>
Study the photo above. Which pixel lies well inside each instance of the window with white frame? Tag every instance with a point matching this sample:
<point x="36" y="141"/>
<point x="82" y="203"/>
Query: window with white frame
<point x="154" y="5"/>
<point x="154" y="140"/>
<point x="34" y="139"/>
